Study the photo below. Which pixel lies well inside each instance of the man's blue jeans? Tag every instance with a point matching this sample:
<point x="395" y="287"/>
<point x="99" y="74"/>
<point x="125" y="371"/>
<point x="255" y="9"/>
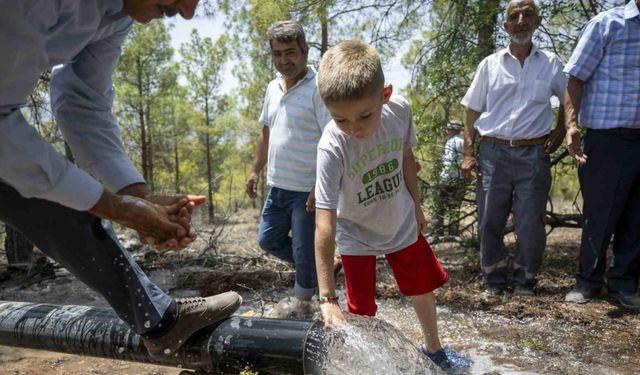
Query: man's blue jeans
<point x="285" y="211"/>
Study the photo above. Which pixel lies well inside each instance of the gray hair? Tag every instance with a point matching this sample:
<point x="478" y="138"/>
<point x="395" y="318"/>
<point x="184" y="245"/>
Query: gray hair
<point x="287" y="31"/>
<point x="536" y="6"/>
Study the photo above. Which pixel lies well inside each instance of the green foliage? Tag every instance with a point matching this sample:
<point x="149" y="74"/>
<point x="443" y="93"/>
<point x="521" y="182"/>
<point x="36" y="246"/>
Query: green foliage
<point x="455" y="36"/>
<point x="146" y="74"/>
<point x="176" y="124"/>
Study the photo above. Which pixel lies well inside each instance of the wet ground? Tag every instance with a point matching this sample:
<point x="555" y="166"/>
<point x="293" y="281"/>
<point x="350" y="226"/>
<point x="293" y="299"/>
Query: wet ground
<point x="504" y="335"/>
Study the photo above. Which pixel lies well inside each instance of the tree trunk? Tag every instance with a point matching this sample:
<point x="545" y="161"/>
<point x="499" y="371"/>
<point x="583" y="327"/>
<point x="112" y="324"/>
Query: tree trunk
<point x="176" y="163"/>
<point x="208" y="156"/>
<point x="150" y="150"/>
<point x="144" y="162"/>
<point x="19" y="249"/>
<point x="324" y="25"/>
<point x="489" y="10"/>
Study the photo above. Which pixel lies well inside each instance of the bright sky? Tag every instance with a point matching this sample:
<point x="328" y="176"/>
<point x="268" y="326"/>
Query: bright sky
<point x="213" y="28"/>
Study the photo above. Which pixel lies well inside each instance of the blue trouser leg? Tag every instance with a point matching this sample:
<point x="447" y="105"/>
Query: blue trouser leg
<point x="494" y="204"/>
<point x="275" y="224"/>
<point x="303" y="234"/>
<point x="610" y="183"/>
<point x="532" y="182"/>
<point x="518" y="179"/>
<point x="285" y="211"/>
<point x="89" y="249"/>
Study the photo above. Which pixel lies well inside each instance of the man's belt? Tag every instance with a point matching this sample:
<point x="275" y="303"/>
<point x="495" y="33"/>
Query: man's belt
<point x="516" y="143"/>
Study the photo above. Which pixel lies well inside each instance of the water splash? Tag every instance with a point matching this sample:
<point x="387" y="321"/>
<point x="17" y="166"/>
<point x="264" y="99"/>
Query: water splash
<point x="371" y="346"/>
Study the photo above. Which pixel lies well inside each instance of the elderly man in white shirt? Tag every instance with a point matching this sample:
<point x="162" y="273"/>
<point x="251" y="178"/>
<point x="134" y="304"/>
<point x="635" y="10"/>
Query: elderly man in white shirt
<point x="508" y="105"/>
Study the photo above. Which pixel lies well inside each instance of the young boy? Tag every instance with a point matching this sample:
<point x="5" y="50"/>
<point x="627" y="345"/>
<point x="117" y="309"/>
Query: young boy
<point x="367" y="196"/>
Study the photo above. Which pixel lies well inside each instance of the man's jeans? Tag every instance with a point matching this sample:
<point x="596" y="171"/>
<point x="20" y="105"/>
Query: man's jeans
<point x="285" y="211"/>
<point x="89" y="249"/>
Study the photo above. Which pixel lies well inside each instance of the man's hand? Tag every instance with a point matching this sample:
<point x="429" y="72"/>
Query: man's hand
<point x="574" y="145"/>
<point x="468" y="167"/>
<point x="154" y="223"/>
<point x="252" y="183"/>
<point x="332" y="314"/>
<point x="422" y="221"/>
<point x="183" y="217"/>
<point x="553" y="142"/>
<point x="311" y="201"/>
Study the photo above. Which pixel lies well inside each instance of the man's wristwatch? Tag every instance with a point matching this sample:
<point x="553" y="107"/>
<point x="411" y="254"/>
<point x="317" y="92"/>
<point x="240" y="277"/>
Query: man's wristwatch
<point x="328" y="300"/>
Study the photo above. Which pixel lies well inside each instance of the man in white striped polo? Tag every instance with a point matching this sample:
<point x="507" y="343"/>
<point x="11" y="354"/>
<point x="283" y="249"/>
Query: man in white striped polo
<point x="293" y="118"/>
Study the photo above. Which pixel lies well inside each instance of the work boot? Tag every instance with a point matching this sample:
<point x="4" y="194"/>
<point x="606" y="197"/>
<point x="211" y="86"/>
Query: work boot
<point x="192" y="314"/>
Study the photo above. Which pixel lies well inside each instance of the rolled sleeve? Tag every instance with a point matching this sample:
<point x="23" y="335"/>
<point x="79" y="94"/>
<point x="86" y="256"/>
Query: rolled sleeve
<point x="82" y="99"/>
<point x="476" y="96"/>
<point x="328" y="179"/>
<point x="588" y="52"/>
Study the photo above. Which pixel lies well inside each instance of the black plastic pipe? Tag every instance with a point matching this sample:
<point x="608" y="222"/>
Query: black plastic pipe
<point x="268" y="346"/>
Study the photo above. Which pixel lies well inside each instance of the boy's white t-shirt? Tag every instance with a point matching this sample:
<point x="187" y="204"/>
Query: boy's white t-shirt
<point x="363" y="180"/>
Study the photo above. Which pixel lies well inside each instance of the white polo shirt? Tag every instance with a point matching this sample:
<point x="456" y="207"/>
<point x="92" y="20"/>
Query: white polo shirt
<point x="514" y="100"/>
<point x="296" y="119"/>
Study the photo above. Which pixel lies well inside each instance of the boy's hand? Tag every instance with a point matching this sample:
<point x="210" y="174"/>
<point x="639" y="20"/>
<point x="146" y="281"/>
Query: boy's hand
<point x="422" y="221"/>
<point x="332" y="314"/>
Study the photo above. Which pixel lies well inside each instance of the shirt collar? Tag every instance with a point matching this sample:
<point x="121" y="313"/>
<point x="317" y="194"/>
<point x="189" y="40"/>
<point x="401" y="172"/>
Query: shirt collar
<point x="311" y="73"/>
<point x="631" y="10"/>
<point x="507" y="51"/>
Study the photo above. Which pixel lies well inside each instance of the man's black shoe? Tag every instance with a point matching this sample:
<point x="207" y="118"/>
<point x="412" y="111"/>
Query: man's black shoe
<point x="523" y="290"/>
<point x="494" y="290"/>
<point x="629" y="301"/>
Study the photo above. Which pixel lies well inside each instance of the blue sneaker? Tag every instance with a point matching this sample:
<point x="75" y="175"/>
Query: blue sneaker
<point x="448" y="359"/>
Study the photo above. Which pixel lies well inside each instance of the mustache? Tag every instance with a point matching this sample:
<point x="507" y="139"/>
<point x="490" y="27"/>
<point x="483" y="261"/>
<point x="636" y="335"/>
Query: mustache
<point x="169" y="11"/>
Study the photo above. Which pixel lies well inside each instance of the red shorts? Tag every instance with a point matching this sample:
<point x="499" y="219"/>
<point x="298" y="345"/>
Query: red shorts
<point x="416" y="269"/>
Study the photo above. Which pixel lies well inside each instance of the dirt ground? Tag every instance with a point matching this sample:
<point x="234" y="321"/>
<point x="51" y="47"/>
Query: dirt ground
<point x="598" y="333"/>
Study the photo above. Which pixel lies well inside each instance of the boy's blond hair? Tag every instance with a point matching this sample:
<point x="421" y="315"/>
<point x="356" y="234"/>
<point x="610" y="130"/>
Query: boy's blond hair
<point x="350" y="70"/>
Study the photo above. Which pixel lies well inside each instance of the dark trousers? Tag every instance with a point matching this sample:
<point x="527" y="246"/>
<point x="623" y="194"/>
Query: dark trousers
<point x="89" y="249"/>
<point x="514" y="179"/>
<point x="610" y="182"/>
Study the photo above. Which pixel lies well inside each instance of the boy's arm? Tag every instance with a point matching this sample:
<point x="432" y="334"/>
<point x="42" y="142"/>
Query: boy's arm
<point x="410" y="173"/>
<point x="325" y="251"/>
